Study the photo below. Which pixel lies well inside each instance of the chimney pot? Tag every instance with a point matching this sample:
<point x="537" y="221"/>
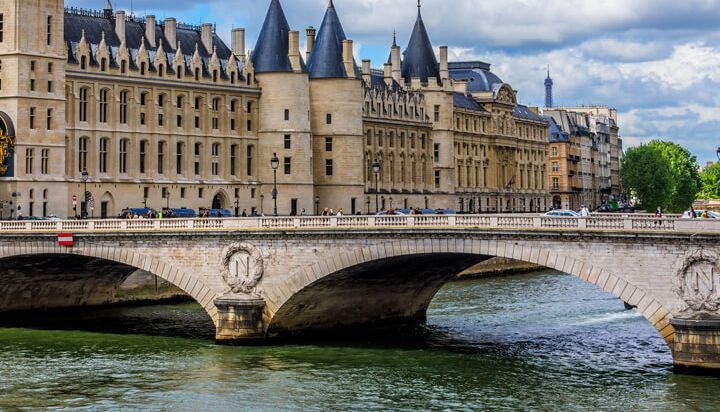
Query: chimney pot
<point x="310" y="33"/>
<point x="294" y="50"/>
<point x="120" y="25"/>
<point x="171" y="32"/>
<point x="150" y="30"/>
<point x="238" y="44"/>
<point x="348" y="58"/>
<point x="206" y="35"/>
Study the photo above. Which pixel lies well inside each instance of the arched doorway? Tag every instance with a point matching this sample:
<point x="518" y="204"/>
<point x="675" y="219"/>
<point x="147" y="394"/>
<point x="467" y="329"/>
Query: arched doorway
<point x="107" y="206"/>
<point x="220" y="201"/>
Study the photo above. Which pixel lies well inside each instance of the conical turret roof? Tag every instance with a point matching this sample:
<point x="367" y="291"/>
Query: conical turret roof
<point x="271" y="49"/>
<point x="420" y="60"/>
<point x="326" y="59"/>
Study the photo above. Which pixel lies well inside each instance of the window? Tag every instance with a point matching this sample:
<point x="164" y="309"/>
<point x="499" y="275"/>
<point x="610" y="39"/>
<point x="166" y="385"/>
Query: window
<point x="328" y="144"/>
<point x="103" y="64"/>
<point x="32" y="65"/>
<point x="179" y="102"/>
<point x="142" y="68"/>
<point x="29" y="160"/>
<point x="143" y="98"/>
<point x="123" y="106"/>
<point x="179" y="149"/>
<point x="288" y="165"/>
<point x="437" y="179"/>
<point x="250" y="150"/>
<point x="328" y="118"/>
<point x="198" y="149"/>
<point x="83" y="62"/>
<point x="161" y="158"/>
<point x="554" y="151"/>
<point x="182" y="193"/>
<point x="215" y="109"/>
<point x="82" y="153"/>
<point x="161" y="120"/>
<point x="287" y="115"/>
<point x="123" y="67"/>
<point x="161" y="100"/>
<point x="215" y="159"/>
<point x="179" y="121"/>
<point x="437" y="112"/>
<point x="104" y="105"/>
<point x="556" y="183"/>
<point x="200" y="193"/>
<point x="143" y="153"/>
<point x="49" y="30"/>
<point x="102" y="156"/>
<point x="44" y="161"/>
<point x="555" y="167"/>
<point x="122" y="166"/>
<point x="233" y="160"/>
<point x="2" y="21"/>
<point x="249" y="125"/>
<point x="287" y="141"/>
<point x="328" y="167"/>
<point x="369" y="138"/>
<point x="32" y="85"/>
<point x="32" y="117"/>
<point x="83" y="108"/>
<point x="50" y="86"/>
<point x="436" y="152"/>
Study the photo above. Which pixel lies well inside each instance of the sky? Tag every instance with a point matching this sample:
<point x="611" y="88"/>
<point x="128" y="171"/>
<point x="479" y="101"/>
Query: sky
<point x="656" y="61"/>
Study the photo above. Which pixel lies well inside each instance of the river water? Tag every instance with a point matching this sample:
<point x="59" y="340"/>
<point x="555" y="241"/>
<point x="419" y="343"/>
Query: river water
<point x="538" y="342"/>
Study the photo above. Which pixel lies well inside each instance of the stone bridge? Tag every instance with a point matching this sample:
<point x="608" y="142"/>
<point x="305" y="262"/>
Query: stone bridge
<point x="261" y="278"/>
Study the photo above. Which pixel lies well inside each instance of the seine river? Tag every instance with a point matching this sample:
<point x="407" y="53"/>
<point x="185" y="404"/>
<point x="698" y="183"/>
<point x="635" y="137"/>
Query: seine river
<point x="538" y="342"/>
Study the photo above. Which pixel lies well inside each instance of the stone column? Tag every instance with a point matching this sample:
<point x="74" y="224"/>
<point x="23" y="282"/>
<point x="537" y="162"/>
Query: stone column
<point x="696" y="349"/>
<point x="240" y="321"/>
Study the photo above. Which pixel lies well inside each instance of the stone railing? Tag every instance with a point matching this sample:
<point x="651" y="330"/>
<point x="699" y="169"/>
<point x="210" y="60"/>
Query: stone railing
<point x="627" y="223"/>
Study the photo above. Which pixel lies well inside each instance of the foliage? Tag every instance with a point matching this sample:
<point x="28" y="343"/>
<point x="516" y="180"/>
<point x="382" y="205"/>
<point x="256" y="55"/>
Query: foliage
<point x="646" y="173"/>
<point x="710" y="182"/>
<point x="684" y="175"/>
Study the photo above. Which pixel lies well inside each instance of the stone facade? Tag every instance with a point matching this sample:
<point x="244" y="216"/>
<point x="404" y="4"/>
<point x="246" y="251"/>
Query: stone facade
<point x="161" y="113"/>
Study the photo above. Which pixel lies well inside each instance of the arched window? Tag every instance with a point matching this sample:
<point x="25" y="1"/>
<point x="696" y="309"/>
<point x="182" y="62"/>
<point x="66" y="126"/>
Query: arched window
<point x="197" y="74"/>
<point x="161" y="70"/>
<point x="83" y="104"/>
<point x="104" y="101"/>
<point x="83" y="63"/>
<point x="103" y="64"/>
<point x="123" y="67"/>
<point x="179" y="71"/>
<point x="232" y="78"/>
<point x="215" y="76"/>
<point x="142" y="68"/>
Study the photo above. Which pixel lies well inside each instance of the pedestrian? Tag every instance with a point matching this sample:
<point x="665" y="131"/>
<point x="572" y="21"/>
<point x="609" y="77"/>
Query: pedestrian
<point x="303" y="213"/>
<point x="658" y="215"/>
<point x="340" y="212"/>
<point x="705" y="215"/>
<point x="584" y="212"/>
<point x="325" y="212"/>
<point x="693" y="213"/>
<point x="331" y="212"/>
<point x="244" y="213"/>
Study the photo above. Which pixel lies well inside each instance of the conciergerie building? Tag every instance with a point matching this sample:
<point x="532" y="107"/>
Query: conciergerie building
<point x="156" y="113"/>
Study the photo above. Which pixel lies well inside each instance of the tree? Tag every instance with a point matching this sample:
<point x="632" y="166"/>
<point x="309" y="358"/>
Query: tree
<point x="646" y="173"/>
<point x="684" y="173"/>
<point x="710" y="182"/>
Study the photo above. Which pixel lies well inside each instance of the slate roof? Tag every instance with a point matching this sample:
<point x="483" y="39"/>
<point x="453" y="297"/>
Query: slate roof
<point x="555" y="133"/>
<point x="463" y="101"/>
<point x="477" y="74"/>
<point x="271" y="49"/>
<point x="523" y="112"/>
<point x="419" y="60"/>
<point x="326" y="58"/>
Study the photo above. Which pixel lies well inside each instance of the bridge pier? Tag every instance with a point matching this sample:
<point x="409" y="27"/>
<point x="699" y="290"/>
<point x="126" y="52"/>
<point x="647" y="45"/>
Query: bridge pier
<point x="240" y="321"/>
<point x="696" y="349"/>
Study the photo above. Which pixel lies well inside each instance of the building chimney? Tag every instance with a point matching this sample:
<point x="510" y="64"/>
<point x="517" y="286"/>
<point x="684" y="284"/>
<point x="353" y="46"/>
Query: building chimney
<point x="150" y="30"/>
<point x="387" y="74"/>
<point x="366" y="69"/>
<point x="294" y="50"/>
<point x="171" y="32"/>
<point x="120" y="25"/>
<point x="238" y="44"/>
<point x="206" y="36"/>
<point x="395" y="60"/>
<point x="348" y="58"/>
<point x="310" y="32"/>
<point x="444" y="71"/>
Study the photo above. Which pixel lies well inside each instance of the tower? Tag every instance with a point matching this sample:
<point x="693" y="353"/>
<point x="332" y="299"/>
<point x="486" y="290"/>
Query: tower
<point x="336" y="117"/>
<point x="32" y="98"/>
<point x="548" y="90"/>
<point x="284" y="124"/>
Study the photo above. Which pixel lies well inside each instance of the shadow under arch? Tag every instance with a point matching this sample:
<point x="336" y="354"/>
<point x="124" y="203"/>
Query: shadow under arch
<point x="394" y="282"/>
<point x="113" y="264"/>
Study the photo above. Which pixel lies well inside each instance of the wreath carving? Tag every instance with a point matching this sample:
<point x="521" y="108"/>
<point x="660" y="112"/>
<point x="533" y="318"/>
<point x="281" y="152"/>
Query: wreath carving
<point x="242" y="267"/>
<point x="692" y="274"/>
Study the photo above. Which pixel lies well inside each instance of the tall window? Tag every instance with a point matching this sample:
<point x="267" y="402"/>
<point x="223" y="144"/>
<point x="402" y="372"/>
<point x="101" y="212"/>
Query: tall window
<point x="49" y="119"/>
<point x="123" y="156"/>
<point x="216" y="159"/>
<point x="29" y="160"/>
<point x="233" y="159"/>
<point x="554" y="151"/>
<point x="328" y="118"/>
<point x="82" y="153"/>
<point x="32" y="117"/>
<point x="161" y="158"/>
<point x="198" y="150"/>
<point x="250" y="153"/>
<point x="123" y="106"/>
<point x="556" y="183"/>
<point x="437" y="179"/>
<point x="328" y="167"/>
<point x="103" y="154"/>
<point x="436" y="152"/>
<point x="49" y="30"/>
<point x="143" y="154"/>
<point x="287" y="114"/>
<point x="2" y="23"/>
<point x="44" y="161"/>
<point x="179" y="149"/>
<point x="104" y="105"/>
<point x="328" y="144"/>
<point x="83" y="108"/>
<point x="216" y="114"/>
<point x="288" y="165"/>
<point x="555" y="167"/>
<point x="287" y="141"/>
<point x="437" y="112"/>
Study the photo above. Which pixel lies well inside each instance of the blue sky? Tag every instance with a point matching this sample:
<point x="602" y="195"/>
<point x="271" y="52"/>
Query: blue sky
<point x="656" y="61"/>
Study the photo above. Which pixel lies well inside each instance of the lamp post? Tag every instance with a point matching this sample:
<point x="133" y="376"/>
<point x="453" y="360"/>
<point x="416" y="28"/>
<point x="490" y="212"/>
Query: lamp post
<point x="167" y="199"/>
<point x="317" y="205"/>
<point x="85" y="176"/>
<point x="274" y="163"/>
<point x="391" y="202"/>
<point x="262" y="204"/>
<point x="237" y="207"/>
<point x="376" y="170"/>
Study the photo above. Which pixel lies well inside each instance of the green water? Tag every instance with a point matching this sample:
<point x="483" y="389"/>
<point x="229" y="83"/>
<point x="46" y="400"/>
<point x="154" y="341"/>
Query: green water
<point x="536" y="342"/>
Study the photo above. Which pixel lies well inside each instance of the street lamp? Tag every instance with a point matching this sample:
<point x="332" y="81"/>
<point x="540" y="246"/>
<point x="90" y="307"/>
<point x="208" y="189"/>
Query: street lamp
<point x="167" y="199"/>
<point x="274" y="163"/>
<point x="317" y="205"/>
<point x="718" y="153"/>
<point x="237" y="207"/>
<point x="85" y="176"/>
<point x="262" y="204"/>
<point x="391" y="202"/>
<point x="376" y="170"/>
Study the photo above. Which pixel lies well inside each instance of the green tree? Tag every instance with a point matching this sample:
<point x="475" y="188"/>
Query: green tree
<point x="710" y="182"/>
<point x="684" y="175"/>
<point x="646" y="173"/>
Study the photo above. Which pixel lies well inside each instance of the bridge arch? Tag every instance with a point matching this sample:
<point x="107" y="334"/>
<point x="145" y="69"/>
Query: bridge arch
<point x="285" y="303"/>
<point x="161" y="268"/>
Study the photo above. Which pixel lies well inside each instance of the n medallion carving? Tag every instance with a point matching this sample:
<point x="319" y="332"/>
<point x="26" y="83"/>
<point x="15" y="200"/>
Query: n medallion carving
<point x="242" y="268"/>
<point x="697" y="283"/>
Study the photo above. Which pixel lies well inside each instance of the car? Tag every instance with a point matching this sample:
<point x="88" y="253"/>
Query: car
<point x="178" y="213"/>
<point x="699" y="213"/>
<point x="206" y="213"/>
<point x="562" y="213"/>
<point x="145" y="212"/>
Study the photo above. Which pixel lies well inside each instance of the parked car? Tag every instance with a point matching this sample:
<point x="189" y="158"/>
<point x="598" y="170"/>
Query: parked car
<point x="391" y="212"/>
<point x="206" y="213"/>
<point x="699" y="213"/>
<point x="562" y="213"/>
<point x="181" y="213"/>
<point x="145" y="212"/>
